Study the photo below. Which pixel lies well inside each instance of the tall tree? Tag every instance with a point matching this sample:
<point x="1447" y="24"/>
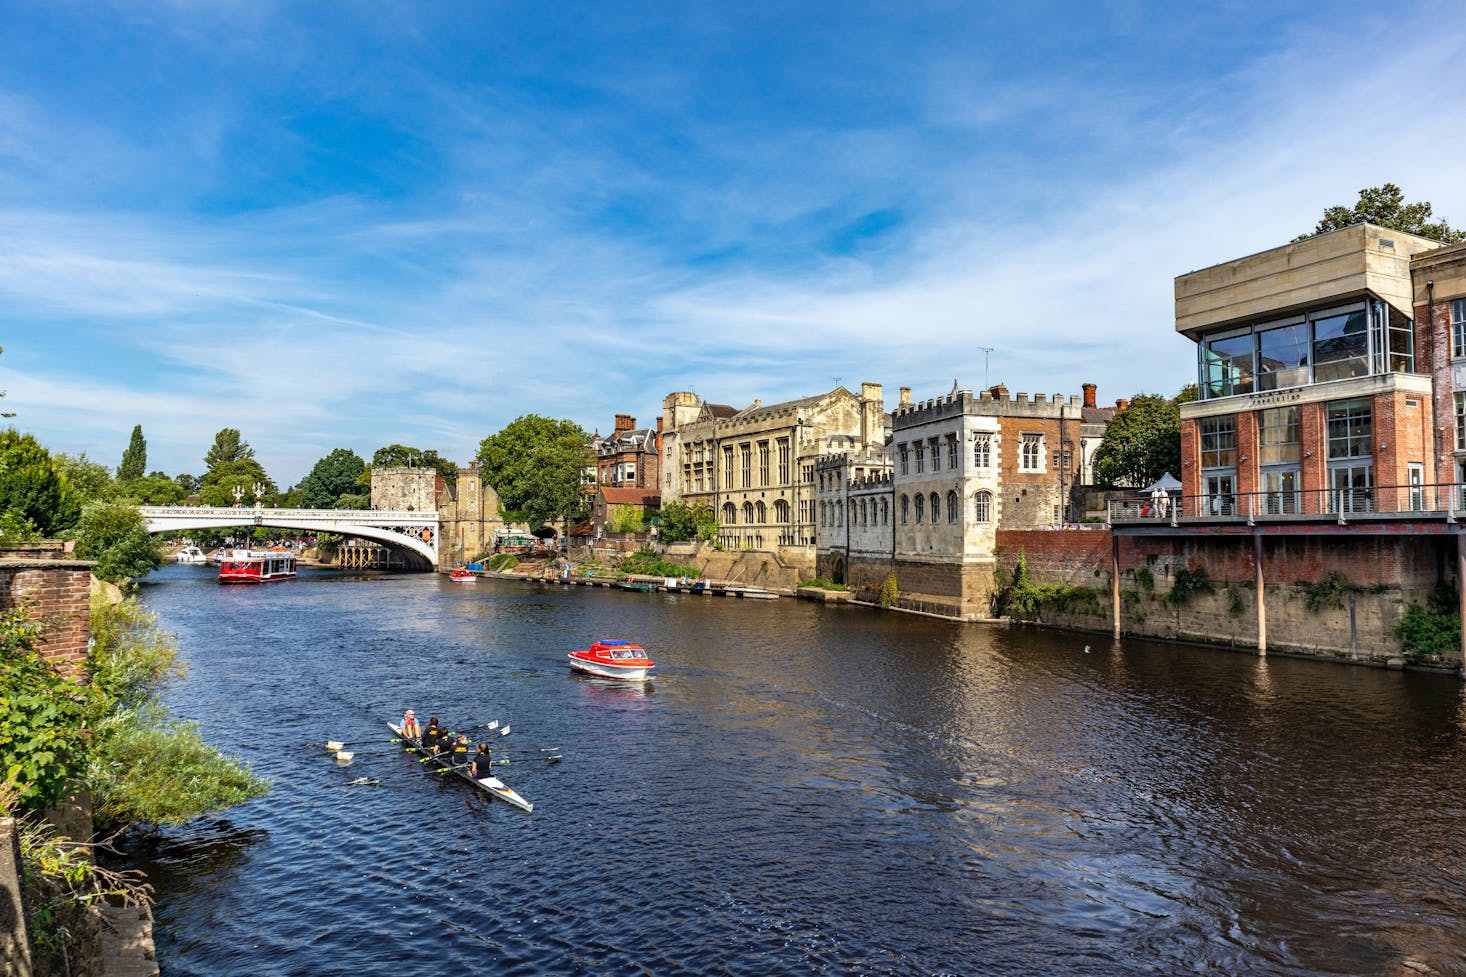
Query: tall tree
<point x="228" y="446"/>
<point x="1385" y="205"/>
<point x="332" y="477"/>
<point x="535" y="464"/>
<point x="221" y="481"/>
<point x="116" y="536"/>
<point x="90" y="480"/>
<point x="31" y="487"/>
<point x="404" y="456"/>
<point x="135" y="458"/>
<point x="1141" y="443"/>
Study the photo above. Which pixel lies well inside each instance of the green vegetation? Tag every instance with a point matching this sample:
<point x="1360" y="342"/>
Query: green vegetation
<point x="403" y="456"/>
<point x="1332" y="591"/>
<point x="1141" y="443"/>
<point x="88" y="479"/>
<point x="43" y="716"/>
<point x="627" y="519"/>
<point x="1022" y="598"/>
<point x="647" y="562"/>
<point x="823" y="584"/>
<point x="1433" y="629"/>
<point x="34" y="497"/>
<point x="332" y="477"/>
<point x="502" y="562"/>
<point x="1144" y="578"/>
<point x="681" y="523"/>
<point x="135" y="458"/>
<point x="229" y="446"/>
<point x="890" y="591"/>
<point x="116" y="536"/>
<point x="1385" y="205"/>
<point x="535" y="464"/>
<point x="1189" y="583"/>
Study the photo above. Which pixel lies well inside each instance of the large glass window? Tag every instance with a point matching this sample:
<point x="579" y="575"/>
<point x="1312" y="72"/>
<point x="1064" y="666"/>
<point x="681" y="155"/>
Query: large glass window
<point x="1458" y="327"/>
<point x="1351" y="428"/>
<point x="1227" y="366"/>
<point x="1219" y="441"/>
<point x="1277" y="436"/>
<point x="920" y="460"/>
<point x="1340" y="347"/>
<point x="1282" y="357"/>
<point x="1460" y="421"/>
<point x="983" y="507"/>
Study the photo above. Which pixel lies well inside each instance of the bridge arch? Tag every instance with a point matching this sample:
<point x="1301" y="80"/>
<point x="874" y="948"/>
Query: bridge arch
<point x="413" y="532"/>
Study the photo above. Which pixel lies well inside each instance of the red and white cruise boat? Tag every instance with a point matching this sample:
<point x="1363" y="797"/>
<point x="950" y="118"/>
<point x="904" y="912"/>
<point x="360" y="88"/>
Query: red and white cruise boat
<point x="611" y="658"/>
<point x="256" y="566"/>
<point x="462" y="575"/>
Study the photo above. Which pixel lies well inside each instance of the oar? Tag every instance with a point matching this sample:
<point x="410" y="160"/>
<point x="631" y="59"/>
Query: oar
<point x="334" y="745"/>
<point x="495" y="763"/>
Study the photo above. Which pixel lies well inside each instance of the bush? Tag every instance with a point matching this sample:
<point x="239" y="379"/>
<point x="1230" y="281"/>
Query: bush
<point x="647" y="562"/>
<point x="502" y="562"/>
<point x="45" y="718"/>
<point x="890" y="592"/>
<point x="823" y="584"/>
<point x="1433" y="629"/>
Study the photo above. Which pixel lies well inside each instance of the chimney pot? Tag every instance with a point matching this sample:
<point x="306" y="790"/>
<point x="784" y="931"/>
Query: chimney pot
<point x="905" y="396"/>
<point x="1089" y="391"/>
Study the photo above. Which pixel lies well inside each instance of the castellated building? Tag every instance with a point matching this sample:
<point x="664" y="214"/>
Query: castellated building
<point x="405" y="489"/>
<point x="755" y="467"/>
<point x="956" y="469"/>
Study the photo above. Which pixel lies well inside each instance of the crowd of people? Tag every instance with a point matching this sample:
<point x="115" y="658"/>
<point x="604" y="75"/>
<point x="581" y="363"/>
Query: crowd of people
<point x="438" y="741"/>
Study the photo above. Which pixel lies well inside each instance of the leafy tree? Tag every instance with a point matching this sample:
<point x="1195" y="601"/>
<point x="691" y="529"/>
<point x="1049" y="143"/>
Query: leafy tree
<point x="187" y="482"/>
<point x="359" y="500"/>
<point x="680" y="522"/>
<point x="135" y="458"/>
<point x="535" y="464"/>
<point x="332" y="477"/>
<point x="221" y="481"/>
<point x="626" y="519"/>
<point x="154" y="490"/>
<point x="229" y="446"/>
<point x="89" y="479"/>
<point x="1385" y="205"/>
<point x="43" y="715"/>
<point x="1141" y="443"/>
<point x="402" y="456"/>
<point x="31" y="486"/>
<point x="116" y="536"/>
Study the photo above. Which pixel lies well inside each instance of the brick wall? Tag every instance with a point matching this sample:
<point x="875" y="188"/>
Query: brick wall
<point x="57" y="592"/>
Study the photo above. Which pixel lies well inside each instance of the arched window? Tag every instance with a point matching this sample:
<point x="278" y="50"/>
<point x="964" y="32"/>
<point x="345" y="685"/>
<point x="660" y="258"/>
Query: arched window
<point x="904" y="509"/>
<point x="851" y="506"/>
<point x="781" y="510"/>
<point x="730" y="514"/>
<point x="885" y="511"/>
<point x="748" y="512"/>
<point x="936" y="508"/>
<point x="864" y="519"/>
<point x="952" y="506"/>
<point x="920" y="504"/>
<point x="763" y="513"/>
<point x="983" y="506"/>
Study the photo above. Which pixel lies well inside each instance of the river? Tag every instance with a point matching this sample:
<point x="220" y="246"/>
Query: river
<point x="800" y="790"/>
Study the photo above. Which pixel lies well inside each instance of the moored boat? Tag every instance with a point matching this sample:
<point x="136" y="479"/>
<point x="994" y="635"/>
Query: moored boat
<point x="462" y="575"/>
<point x="257" y="566"/>
<point x="191" y="555"/>
<point x="490" y="785"/>
<point x="612" y="658"/>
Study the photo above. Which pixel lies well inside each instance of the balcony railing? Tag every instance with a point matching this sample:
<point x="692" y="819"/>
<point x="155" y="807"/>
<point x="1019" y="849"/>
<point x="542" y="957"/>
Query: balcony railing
<point x="1442" y="500"/>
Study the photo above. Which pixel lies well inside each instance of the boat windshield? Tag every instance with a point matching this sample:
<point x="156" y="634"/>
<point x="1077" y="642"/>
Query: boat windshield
<point x="625" y="653"/>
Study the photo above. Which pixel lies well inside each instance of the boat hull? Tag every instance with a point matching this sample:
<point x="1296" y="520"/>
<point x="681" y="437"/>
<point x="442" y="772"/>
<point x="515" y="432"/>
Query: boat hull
<point x="245" y="567"/>
<point x="591" y="666"/>
<point x="492" y="786"/>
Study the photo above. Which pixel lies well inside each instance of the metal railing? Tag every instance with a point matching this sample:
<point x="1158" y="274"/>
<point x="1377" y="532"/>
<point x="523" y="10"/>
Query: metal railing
<point x="1438" y="500"/>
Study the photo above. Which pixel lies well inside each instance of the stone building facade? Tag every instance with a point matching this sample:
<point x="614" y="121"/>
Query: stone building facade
<point x="469" y="515"/>
<point x="405" y="489"/>
<point x="755" y="468"/>
<point x="629" y="457"/>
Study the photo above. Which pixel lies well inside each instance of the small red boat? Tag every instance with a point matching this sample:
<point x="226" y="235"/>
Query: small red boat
<point x="252" y="566"/>
<point x="462" y="575"/>
<point x="610" y="658"/>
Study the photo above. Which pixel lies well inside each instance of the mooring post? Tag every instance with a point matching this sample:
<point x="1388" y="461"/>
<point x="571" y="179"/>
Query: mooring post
<point x="1261" y="594"/>
<point x="1115" y="584"/>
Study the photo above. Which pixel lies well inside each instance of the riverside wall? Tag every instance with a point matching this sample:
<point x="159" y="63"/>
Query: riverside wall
<point x="1335" y="597"/>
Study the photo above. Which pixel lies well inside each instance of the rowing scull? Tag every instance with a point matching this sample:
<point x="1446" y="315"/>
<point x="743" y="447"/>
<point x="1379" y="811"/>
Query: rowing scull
<point x="492" y="785"/>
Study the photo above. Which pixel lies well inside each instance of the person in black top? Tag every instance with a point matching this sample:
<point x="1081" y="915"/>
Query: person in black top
<point x="483" y="762"/>
<point x="430" y="735"/>
<point x="459" y="755"/>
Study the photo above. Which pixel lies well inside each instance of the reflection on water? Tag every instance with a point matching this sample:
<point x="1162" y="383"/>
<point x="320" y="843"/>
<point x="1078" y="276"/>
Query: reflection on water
<point x="802" y="789"/>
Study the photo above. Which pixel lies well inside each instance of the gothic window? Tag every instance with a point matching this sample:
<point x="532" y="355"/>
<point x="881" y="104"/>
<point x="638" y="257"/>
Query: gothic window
<point x="730" y="514"/>
<point x="1031" y="453"/>
<point x="748" y="512"/>
<point x="982" y="451"/>
<point x="905" y="509"/>
<point x="781" y="511"/>
<point x="952" y="506"/>
<point x="762" y="512"/>
<point x="920" y="504"/>
<point x="983" y="507"/>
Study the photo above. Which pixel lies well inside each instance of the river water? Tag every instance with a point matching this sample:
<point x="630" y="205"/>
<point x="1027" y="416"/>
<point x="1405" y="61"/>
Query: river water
<point x="800" y="790"/>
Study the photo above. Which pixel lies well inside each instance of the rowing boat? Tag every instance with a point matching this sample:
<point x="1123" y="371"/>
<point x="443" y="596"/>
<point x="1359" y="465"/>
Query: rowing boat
<point x="491" y="785"/>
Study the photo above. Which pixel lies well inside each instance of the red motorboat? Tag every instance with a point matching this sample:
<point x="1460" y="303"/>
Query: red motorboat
<point x="462" y="575"/>
<point x="611" y="658"/>
<point x="253" y="566"/>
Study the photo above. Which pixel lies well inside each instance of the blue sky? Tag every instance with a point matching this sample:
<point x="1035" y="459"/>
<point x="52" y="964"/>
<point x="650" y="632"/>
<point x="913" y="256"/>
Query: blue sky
<point x="351" y="224"/>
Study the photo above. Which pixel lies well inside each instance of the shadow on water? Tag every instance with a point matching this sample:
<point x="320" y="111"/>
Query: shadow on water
<point x="800" y="789"/>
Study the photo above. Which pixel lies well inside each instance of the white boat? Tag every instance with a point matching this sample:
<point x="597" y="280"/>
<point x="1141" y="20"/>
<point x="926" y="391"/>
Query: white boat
<point x="462" y="575"/>
<point x="490" y="785"/>
<point x="609" y="658"/>
<point x="750" y="593"/>
<point x="191" y="555"/>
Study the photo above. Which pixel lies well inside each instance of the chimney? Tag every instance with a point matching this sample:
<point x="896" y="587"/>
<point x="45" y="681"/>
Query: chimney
<point x="659" y="426"/>
<point x="1121" y="403"/>
<point x="905" y="396"/>
<point x="999" y="392"/>
<point x="1089" y="390"/>
<point x="625" y="422"/>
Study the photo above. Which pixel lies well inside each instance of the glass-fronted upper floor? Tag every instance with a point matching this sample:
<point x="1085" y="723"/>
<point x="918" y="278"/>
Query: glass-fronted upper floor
<point x="1356" y="339"/>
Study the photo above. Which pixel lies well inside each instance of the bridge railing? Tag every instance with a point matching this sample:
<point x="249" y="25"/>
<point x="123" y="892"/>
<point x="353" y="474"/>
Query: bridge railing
<point x="248" y="513"/>
<point x="1440" y="501"/>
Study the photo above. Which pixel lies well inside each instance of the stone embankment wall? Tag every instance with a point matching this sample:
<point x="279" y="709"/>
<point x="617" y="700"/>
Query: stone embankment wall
<point x="753" y="568"/>
<point x="1359" y="587"/>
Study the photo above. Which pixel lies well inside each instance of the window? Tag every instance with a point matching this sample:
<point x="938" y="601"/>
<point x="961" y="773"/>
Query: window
<point x="920" y="460"/>
<point x="1282" y="357"/>
<point x="1226" y="366"/>
<point x="902" y="452"/>
<point x="936" y="454"/>
<point x="762" y="513"/>
<point x="1460" y="421"/>
<point x="1277" y="436"/>
<point x="885" y="511"/>
<point x="745" y="455"/>
<point x="1458" y="327"/>
<point x="936" y="508"/>
<point x="982" y="506"/>
<point x="781" y="511"/>
<point x="952" y="452"/>
<point x="783" y="461"/>
<point x="982" y="451"/>
<point x="728" y="466"/>
<point x="905" y="510"/>
<point x="1030" y="453"/>
<point x="1351" y="428"/>
<point x="730" y="514"/>
<point x="1340" y="347"/>
<point x="748" y="512"/>
<point x="952" y="506"/>
<point x="763" y="463"/>
<point x="920" y="504"/>
<point x="1219" y="441"/>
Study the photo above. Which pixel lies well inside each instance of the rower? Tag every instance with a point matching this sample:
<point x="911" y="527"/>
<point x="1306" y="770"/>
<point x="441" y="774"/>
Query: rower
<point x="461" y="757"/>
<point x="483" y="762"/>
<point x="431" y="735"/>
<point x="410" y="729"/>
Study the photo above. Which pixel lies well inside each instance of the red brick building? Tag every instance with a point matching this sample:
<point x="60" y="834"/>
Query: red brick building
<point x="629" y="457"/>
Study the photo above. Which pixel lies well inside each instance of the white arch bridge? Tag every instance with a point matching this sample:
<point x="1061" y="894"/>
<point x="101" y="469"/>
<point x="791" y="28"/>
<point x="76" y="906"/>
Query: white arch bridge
<point x="414" y="532"/>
